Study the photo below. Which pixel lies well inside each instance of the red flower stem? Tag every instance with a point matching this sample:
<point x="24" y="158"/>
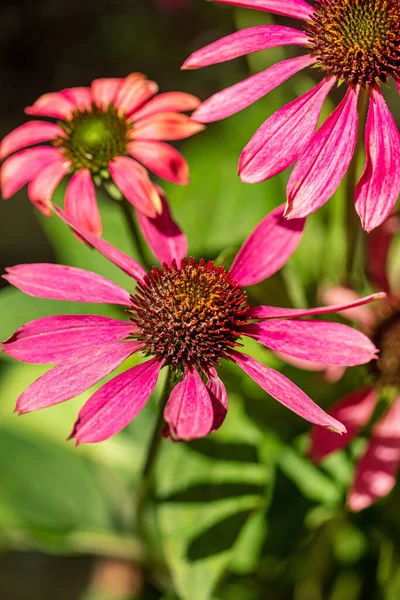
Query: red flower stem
<point x="135" y="235"/>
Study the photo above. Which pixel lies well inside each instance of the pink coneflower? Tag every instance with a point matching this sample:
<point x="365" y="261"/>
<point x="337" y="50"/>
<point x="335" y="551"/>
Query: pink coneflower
<point x="376" y="471"/>
<point x="356" y="42"/>
<point x="185" y="314"/>
<point x="103" y="131"/>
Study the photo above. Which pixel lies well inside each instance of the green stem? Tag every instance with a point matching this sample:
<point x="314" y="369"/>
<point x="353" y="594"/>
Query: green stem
<point x="133" y="229"/>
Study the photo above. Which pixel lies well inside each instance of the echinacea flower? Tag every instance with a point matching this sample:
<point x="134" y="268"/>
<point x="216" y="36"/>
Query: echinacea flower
<point x="356" y="42"/>
<point x="185" y="314"/>
<point x="377" y="469"/>
<point x="103" y="131"/>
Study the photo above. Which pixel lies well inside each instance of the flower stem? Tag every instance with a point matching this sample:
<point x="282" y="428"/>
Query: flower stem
<point x="133" y="229"/>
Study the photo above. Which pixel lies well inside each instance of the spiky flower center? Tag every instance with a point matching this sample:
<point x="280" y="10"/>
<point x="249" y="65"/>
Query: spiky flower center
<point x="358" y="41"/>
<point x="387" y="339"/>
<point x="93" y="138"/>
<point x="189" y="314"/>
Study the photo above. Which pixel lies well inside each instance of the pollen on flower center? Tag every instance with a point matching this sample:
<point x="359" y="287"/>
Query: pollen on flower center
<point x="387" y="339"/>
<point x="357" y="41"/>
<point x="189" y="314"/>
<point x="94" y="138"/>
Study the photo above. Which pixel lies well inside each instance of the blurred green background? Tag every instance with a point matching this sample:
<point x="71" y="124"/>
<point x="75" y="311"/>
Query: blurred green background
<point x="242" y="515"/>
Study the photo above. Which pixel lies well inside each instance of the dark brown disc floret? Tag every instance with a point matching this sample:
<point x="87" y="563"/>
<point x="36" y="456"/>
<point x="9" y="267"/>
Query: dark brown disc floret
<point x="387" y="339"/>
<point x="189" y="314"/>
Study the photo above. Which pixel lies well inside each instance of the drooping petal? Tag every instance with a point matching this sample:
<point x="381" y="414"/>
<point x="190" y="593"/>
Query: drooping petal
<point x="189" y="411"/>
<point x="286" y="392"/>
<point x="164" y="160"/>
<point x="104" y="91"/>
<point x="219" y="399"/>
<point x="74" y="376"/>
<point x="378" y="245"/>
<point x="20" y="168"/>
<point x="81" y="204"/>
<point x="244" y="42"/>
<point x="42" y="187"/>
<point x="166" y="126"/>
<point x="114" y="405"/>
<point x="284" y="136"/>
<point x="134" y="183"/>
<point x="298" y="9"/>
<point x="363" y="315"/>
<point x="267" y="248"/>
<point x="122" y="260"/>
<point x="168" y="102"/>
<point x="246" y="92"/>
<point x="379" y="185"/>
<point x="377" y="469"/>
<point x="331" y="373"/>
<point x="274" y="312"/>
<point x="54" y="104"/>
<point x="134" y="91"/>
<point x="324" y="162"/>
<point x="354" y="411"/>
<point x="33" y="132"/>
<point x="163" y="235"/>
<point x="81" y="97"/>
<point x="57" y="282"/>
<point x="317" y="341"/>
<point x="54" y="339"/>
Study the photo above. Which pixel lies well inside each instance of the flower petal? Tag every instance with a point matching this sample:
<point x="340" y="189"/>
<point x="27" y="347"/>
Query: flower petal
<point x="33" y="132"/>
<point x="317" y="341"/>
<point x="377" y="469"/>
<point x="104" y="91"/>
<point x="114" y="405"/>
<point x="74" y="376"/>
<point x="20" y="168"/>
<point x="298" y="9"/>
<point x="378" y="245"/>
<point x="54" y="339"/>
<point x="267" y="248"/>
<point x="166" y="126"/>
<point x="134" y="91"/>
<point x="42" y="187"/>
<point x="362" y="315"/>
<point x="168" y="102"/>
<point x="81" y="97"/>
<point x="219" y="399"/>
<point x="58" y="282"/>
<point x="163" y="235"/>
<point x="286" y="392"/>
<point x="81" y="203"/>
<point x="244" y="42"/>
<point x="189" y="411"/>
<point x="123" y="261"/>
<point x="164" y="160"/>
<point x="134" y="183"/>
<point x="323" y="164"/>
<point x="54" y="104"/>
<point x="246" y="92"/>
<point x="284" y="136"/>
<point x="379" y="185"/>
<point x="354" y="411"/>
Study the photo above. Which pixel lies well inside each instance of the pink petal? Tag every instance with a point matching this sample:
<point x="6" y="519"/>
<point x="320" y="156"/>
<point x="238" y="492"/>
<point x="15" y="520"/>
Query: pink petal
<point x="42" y="187"/>
<point x="378" y="245"/>
<point x="219" y="399"/>
<point x="54" y="339"/>
<point x="274" y="312"/>
<point x="317" y="341"/>
<point x="74" y="376"/>
<point x="23" y="166"/>
<point x="379" y="186"/>
<point x="163" y="235"/>
<point x="286" y="392"/>
<point x="284" y="136"/>
<point x="104" y="91"/>
<point x="162" y="159"/>
<point x="81" y="203"/>
<point x="33" y="132"/>
<point x="189" y="411"/>
<point x="354" y="411"/>
<point x="360" y="314"/>
<point x="58" y="282"/>
<point x="81" y="97"/>
<point x="115" y="404"/>
<point x="377" y="469"/>
<point x="323" y="164"/>
<point x="168" y="102"/>
<point x="134" y="183"/>
<point x="267" y="248"/>
<point x="243" y="42"/>
<point x="246" y="92"/>
<point x="54" y="105"/>
<point x="331" y="373"/>
<point x="123" y="261"/>
<point x="298" y="9"/>
<point x="134" y="91"/>
<point x="166" y="126"/>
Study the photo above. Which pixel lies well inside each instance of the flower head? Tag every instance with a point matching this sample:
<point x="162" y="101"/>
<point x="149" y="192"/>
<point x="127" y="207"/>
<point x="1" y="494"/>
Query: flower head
<point x="103" y="131"/>
<point x="356" y="42"/>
